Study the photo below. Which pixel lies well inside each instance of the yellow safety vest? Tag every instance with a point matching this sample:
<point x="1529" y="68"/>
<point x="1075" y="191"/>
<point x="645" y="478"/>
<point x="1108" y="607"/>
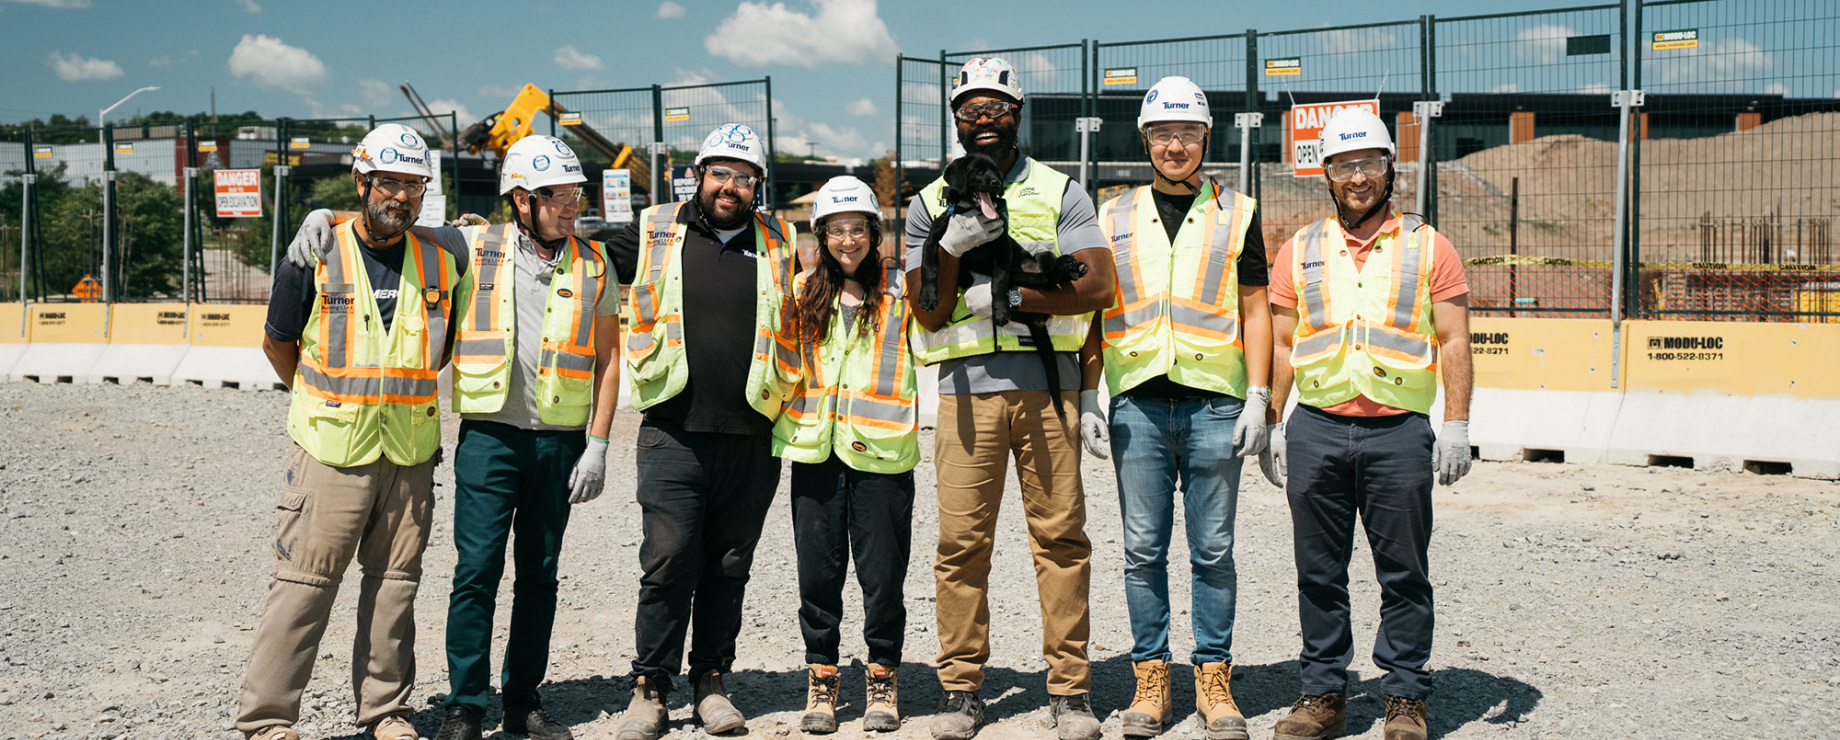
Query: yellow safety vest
<point x="1368" y="331"/>
<point x="1177" y="311"/>
<point x="857" y="394"/>
<point x="487" y="337"/>
<point x="1034" y="205"/>
<point x="360" y="392"/>
<point x="655" y="345"/>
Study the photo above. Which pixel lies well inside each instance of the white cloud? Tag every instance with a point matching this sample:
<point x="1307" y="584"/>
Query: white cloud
<point x="681" y="76"/>
<point x="77" y="68"/>
<point x="1350" y="40"/>
<point x="1776" y="88"/>
<point x="668" y="9"/>
<point x="270" y="63"/>
<point x="1543" y="43"/>
<point x="1729" y="66"/>
<point x="1038" y="73"/>
<point x="168" y="60"/>
<point x="57" y="3"/>
<point x="838" y="31"/>
<point x="374" y="93"/>
<point x="249" y="6"/>
<point x="449" y="105"/>
<point x="825" y="139"/>
<point x="1505" y="88"/>
<point x="568" y="58"/>
<point x="863" y="107"/>
<point x="496" y="91"/>
<point x="1595" y="88"/>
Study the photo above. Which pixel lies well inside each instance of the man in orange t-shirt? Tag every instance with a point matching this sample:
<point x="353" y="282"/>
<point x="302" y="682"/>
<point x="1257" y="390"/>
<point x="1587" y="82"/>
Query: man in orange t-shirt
<point x="1369" y="308"/>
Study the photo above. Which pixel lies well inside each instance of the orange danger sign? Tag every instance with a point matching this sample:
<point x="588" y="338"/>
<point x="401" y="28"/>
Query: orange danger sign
<point x="1306" y="123"/>
<point x="239" y="193"/>
<point x="88" y="290"/>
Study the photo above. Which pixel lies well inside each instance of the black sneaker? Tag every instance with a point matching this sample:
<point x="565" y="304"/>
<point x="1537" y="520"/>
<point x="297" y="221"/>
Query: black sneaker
<point x="536" y="723"/>
<point x="459" y="724"/>
<point x="960" y="713"/>
<point x="1073" y="717"/>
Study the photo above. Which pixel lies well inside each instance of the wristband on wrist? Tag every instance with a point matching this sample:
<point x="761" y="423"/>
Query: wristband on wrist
<point x="598" y="439"/>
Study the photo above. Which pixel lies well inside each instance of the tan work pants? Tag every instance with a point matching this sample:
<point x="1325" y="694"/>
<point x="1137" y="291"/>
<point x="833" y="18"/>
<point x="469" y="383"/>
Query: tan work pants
<point x="380" y="513"/>
<point x="977" y="433"/>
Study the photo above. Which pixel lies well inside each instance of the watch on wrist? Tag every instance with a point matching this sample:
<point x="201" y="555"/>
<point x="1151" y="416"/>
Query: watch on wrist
<point x="1015" y="297"/>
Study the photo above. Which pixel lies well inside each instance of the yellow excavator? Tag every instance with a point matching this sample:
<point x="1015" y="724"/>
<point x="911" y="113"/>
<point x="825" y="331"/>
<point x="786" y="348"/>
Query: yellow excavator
<point x="500" y="130"/>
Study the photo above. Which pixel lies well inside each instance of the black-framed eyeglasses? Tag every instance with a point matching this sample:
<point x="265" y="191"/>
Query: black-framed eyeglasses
<point x="993" y="110"/>
<point x="1343" y="171"/>
<point x="391" y="186"/>
<point x="722" y="176"/>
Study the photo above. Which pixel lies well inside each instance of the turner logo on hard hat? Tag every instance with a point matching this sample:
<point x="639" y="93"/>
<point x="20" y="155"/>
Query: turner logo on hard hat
<point x="563" y="149"/>
<point x="1150" y="97"/>
<point x="845" y="194"/>
<point x="388" y="156"/>
<point x="733" y="141"/>
<point x="1168" y="100"/>
<point x="409" y="138"/>
<point x="540" y="163"/>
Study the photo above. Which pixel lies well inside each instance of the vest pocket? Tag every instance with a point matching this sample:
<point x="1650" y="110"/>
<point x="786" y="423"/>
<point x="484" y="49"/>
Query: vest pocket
<point x="330" y="424"/>
<point x="412" y="329"/>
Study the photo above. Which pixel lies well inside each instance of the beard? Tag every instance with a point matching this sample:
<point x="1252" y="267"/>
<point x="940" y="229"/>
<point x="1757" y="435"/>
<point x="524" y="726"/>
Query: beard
<point x="1006" y="141"/>
<point x="731" y="219"/>
<point x="390" y="217"/>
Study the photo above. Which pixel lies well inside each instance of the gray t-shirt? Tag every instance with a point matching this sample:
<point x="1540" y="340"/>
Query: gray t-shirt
<point x="531" y="286"/>
<point x="1077" y="230"/>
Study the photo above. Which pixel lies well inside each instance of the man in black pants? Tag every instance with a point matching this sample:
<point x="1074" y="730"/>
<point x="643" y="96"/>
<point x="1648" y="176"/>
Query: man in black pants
<point x="708" y="278"/>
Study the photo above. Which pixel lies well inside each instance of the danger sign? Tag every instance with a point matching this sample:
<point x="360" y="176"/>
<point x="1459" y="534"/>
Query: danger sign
<point x="1305" y="126"/>
<point x="239" y="193"/>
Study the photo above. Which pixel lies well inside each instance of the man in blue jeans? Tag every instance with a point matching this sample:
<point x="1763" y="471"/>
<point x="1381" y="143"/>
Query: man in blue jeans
<point x="1186" y="349"/>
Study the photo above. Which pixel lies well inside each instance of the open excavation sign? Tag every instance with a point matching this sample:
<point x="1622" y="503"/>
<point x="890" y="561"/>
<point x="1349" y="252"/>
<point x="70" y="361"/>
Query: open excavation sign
<point x="239" y="193"/>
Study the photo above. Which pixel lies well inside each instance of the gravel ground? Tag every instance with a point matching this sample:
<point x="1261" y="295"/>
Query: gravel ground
<point x="1573" y="600"/>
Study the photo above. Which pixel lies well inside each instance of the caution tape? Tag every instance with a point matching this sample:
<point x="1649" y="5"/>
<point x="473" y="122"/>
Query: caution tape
<point x="1531" y="260"/>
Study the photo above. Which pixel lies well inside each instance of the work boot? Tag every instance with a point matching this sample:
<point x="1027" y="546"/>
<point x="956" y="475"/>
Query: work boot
<point x="821" y="690"/>
<point x="530" y="719"/>
<point x="713" y="708"/>
<point x="1150" y="709"/>
<point x="394" y="727"/>
<point x="884" y="711"/>
<point x="1314" y="717"/>
<point x="275" y="732"/>
<point x="646" y="715"/>
<point x="1073" y="716"/>
<point x="459" y="724"/>
<point x="1405" y="718"/>
<point x="1214" y="702"/>
<point x="960" y="713"/>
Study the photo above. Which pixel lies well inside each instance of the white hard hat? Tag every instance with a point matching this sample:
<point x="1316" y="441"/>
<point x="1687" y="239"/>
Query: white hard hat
<point x="992" y="73"/>
<point x="1175" y="99"/>
<point x="734" y="141"/>
<point x="844" y="194"/>
<point x="1352" y="129"/>
<point x="392" y="147"/>
<point x="537" y="161"/>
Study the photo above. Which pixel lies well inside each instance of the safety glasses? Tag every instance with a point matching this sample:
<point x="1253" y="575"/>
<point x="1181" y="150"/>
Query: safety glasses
<point x="1343" y="171"/>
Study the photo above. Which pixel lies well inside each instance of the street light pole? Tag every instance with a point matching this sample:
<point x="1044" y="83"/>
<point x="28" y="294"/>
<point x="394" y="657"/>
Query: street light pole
<point x="108" y="192"/>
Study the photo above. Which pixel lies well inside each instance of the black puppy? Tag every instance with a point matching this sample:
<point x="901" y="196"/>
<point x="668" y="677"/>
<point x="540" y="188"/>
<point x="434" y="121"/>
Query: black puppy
<point x="974" y="181"/>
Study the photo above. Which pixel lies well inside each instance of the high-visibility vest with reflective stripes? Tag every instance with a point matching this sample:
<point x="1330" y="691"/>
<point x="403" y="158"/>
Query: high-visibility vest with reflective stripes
<point x="1368" y="331"/>
<point x="857" y="395"/>
<point x="655" y="342"/>
<point x="487" y="338"/>
<point x="1177" y="311"/>
<point x="360" y="392"/>
<point x="1034" y="214"/>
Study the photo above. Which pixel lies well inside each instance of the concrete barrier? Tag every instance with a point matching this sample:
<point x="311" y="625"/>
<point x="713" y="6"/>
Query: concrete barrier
<point x="13" y="336"/>
<point x="1542" y="389"/>
<point x="146" y="343"/>
<point x="226" y="349"/>
<point x="66" y="341"/>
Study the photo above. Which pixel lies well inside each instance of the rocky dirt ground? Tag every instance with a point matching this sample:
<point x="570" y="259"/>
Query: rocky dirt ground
<point x="1574" y="601"/>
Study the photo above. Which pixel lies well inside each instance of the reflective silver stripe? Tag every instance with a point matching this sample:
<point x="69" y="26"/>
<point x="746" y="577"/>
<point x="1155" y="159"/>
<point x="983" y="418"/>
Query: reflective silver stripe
<point x="587" y="291"/>
<point x="335" y="353"/>
<point x="663" y="218"/>
<point x="480" y="348"/>
<point x="898" y="413"/>
<point x="567" y="360"/>
<point x="1221" y="243"/>
<point x="643" y="306"/>
<point x="954" y="334"/>
<point x="1124" y="252"/>
<point x="1312" y="274"/>
<point x="1206" y="320"/>
<point x="894" y="334"/>
<point x="639" y="342"/>
<point x="412" y="387"/>
<point x="643" y="340"/>
<point x="1406" y="277"/>
<point x="1316" y="343"/>
<point x="434" y="277"/>
<point x="485" y="276"/>
<point x="1419" y="348"/>
<point x="1128" y="319"/>
<point x="805" y="403"/>
<point x="366" y="387"/>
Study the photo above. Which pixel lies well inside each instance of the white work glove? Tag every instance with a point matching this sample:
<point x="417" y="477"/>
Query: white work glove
<point x="977" y="297"/>
<point x="590" y="472"/>
<point x="1249" y="434"/>
<point x="1450" y="456"/>
<point x="313" y="239"/>
<point x="968" y="230"/>
<point x="1274" y="459"/>
<point x="1095" y="434"/>
<point x="469" y="219"/>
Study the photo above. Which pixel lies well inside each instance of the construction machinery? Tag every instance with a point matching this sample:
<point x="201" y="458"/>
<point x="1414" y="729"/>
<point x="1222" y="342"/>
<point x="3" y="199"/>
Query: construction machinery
<point x="497" y="132"/>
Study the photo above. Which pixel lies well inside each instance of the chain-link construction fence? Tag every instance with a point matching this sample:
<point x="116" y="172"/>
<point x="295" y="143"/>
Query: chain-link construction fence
<point x="1729" y="152"/>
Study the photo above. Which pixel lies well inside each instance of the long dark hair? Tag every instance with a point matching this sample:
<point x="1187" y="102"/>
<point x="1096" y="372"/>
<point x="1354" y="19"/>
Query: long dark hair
<point x="818" y="298"/>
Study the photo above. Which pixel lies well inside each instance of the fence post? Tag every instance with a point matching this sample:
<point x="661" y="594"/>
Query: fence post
<point x="658" y="145"/>
<point x="1246" y="123"/>
<point x="945" y="106"/>
<point x="1428" y="175"/>
<point x="1624" y="100"/>
<point x="1251" y="179"/>
<point x="1089" y="109"/>
<point x="1424" y="111"/>
<point x="185" y="252"/>
<point x="453" y="126"/>
<point x="280" y="213"/>
<point x="108" y="216"/>
<point x="25" y="223"/>
<point x="1632" y="74"/>
<point x="900" y="73"/>
<point x="772" y="207"/>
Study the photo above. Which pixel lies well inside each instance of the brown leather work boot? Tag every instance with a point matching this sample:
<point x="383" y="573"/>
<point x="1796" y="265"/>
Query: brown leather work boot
<point x="884" y="711"/>
<point x="1314" y="717"/>
<point x="1220" y="715"/>
<point x="1405" y="718"/>
<point x="821" y="688"/>
<point x="1150" y="710"/>
<point x="713" y="708"/>
<point x="646" y="715"/>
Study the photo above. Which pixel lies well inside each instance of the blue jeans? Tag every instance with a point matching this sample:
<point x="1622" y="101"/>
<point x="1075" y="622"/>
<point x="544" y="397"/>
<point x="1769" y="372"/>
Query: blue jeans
<point x="1158" y="444"/>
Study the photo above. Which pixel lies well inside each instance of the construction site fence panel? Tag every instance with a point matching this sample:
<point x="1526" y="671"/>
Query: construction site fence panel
<point x="657" y="128"/>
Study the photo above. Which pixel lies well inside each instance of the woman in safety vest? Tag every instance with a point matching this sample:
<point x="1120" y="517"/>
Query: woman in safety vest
<point x="851" y="430"/>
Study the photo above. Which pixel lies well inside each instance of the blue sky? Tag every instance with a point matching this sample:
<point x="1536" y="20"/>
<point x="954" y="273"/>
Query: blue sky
<point x="831" y="60"/>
